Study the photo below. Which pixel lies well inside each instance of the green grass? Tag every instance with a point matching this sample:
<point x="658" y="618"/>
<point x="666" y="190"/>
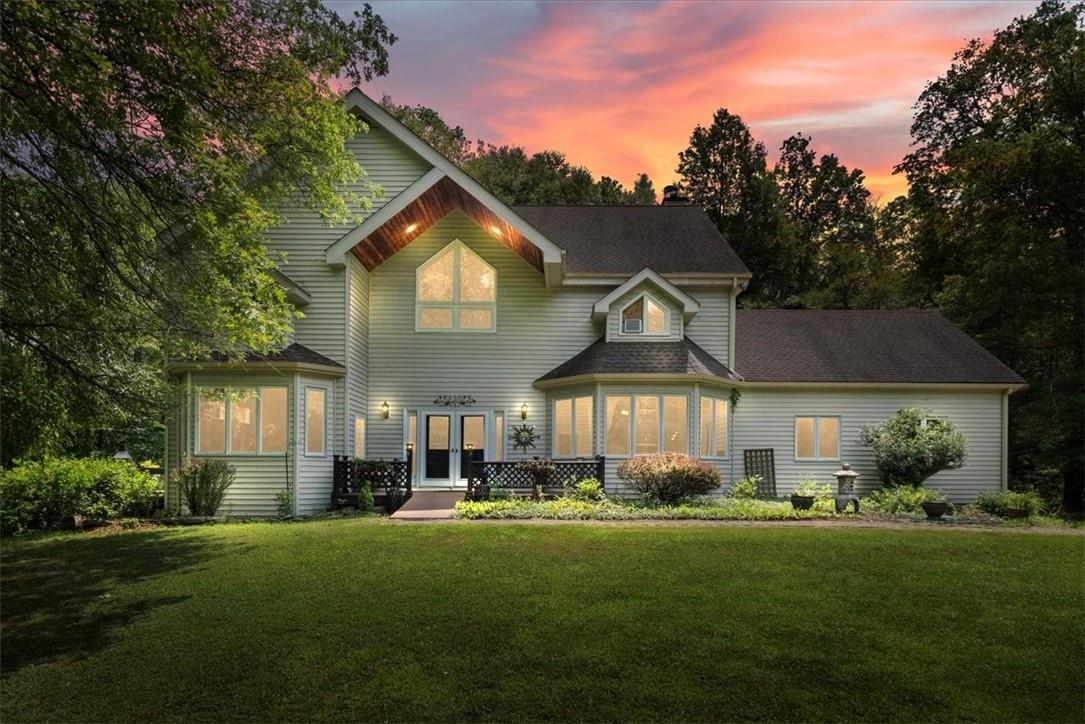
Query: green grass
<point x="366" y="619"/>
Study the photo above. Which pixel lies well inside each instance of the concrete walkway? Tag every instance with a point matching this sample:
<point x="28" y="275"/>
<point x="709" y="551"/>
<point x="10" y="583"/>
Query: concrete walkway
<point x="429" y="505"/>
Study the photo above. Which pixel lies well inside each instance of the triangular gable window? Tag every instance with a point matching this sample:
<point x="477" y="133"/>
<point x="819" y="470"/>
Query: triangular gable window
<point x="644" y="316"/>
<point x="455" y="291"/>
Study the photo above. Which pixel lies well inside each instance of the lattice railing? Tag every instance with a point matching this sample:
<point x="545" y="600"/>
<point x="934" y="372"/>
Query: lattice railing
<point x="390" y="481"/>
<point x="513" y="475"/>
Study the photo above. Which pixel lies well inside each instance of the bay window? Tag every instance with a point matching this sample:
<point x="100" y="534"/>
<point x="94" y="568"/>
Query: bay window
<point x="455" y="290"/>
<point x="573" y="418"/>
<point x="713" y="427"/>
<point x="817" y="438"/>
<point x="315" y="417"/>
<point x="241" y="421"/>
<point x="646" y="424"/>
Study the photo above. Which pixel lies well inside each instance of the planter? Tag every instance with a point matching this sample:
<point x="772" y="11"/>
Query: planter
<point x="802" y="502"/>
<point x="935" y="511"/>
<point x="1016" y="513"/>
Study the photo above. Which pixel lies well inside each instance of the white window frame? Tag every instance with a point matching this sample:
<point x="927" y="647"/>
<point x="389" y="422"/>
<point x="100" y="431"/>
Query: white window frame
<point x="817" y="437"/>
<point x="632" y="446"/>
<point x="455" y="305"/>
<point x="714" y="455"/>
<point x="228" y="445"/>
<point x="644" y="317"/>
<point x="576" y="454"/>
<point x="305" y="421"/>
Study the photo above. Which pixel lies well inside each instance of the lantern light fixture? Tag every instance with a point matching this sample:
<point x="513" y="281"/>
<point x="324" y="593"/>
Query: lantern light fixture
<point x="523" y="411"/>
<point x="385" y="412"/>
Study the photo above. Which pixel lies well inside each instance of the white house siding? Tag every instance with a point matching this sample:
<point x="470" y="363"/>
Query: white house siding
<point x="674" y="315"/>
<point x="537" y="329"/>
<point x="765" y="418"/>
<point x="357" y="378"/>
<point x="314" y="485"/>
<point x="257" y="477"/>
<point x="710" y="328"/>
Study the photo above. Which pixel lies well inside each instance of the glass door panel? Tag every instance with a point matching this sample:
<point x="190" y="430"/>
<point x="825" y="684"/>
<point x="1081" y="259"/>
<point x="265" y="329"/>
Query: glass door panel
<point x="472" y="442"/>
<point x="438" y="447"/>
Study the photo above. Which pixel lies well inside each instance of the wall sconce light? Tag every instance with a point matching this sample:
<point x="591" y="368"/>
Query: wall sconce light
<point x="410" y="448"/>
<point x="384" y="410"/>
<point x="469" y="447"/>
<point x="523" y="411"/>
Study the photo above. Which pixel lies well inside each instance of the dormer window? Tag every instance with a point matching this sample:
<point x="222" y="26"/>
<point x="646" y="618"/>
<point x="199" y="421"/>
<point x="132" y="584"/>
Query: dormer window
<point x="456" y="291"/>
<point x="644" y="315"/>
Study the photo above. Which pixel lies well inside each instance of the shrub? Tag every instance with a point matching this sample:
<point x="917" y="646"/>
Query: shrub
<point x="284" y="503"/>
<point x="203" y="485"/>
<point x="808" y="486"/>
<point x="365" y="497"/>
<point x="588" y="489"/>
<point x="907" y="451"/>
<point x="610" y="509"/>
<point x="746" y="488"/>
<point x="669" y="477"/>
<point x="43" y="495"/>
<point x="902" y="499"/>
<point x="996" y="503"/>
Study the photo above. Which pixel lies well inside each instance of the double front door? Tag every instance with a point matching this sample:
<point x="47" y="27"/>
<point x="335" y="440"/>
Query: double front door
<point x="449" y="440"/>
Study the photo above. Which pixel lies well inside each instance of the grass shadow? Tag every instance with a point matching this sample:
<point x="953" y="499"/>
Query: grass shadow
<point x="57" y="597"/>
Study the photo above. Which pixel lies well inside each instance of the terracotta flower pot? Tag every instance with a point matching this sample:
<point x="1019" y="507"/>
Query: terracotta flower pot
<point x="935" y="510"/>
<point x="802" y="502"/>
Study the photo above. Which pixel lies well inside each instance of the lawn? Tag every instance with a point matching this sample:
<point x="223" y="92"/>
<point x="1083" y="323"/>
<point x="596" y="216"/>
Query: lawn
<point x="367" y="619"/>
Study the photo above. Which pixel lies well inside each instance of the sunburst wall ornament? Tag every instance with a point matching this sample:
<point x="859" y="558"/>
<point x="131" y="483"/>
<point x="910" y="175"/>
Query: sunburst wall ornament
<point x="523" y="436"/>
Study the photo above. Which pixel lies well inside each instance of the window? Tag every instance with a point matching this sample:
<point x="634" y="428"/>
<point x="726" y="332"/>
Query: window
<point x="456" y="290"/>
<point x="713" y="427"/>
<point x="644" y="316"/>
<point x="359" y="437"/>
<point x="499" y="436"/>
<point x="315" y="398"/>
<point x="572" y="427"/>
<point x="412" y="437"/>
<point x="241" y="421"/>
<point x="817" y="438"/>
<point x="659" y="423"/>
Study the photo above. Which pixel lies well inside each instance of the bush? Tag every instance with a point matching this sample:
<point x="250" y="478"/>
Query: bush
<point x="365" y="497"/>
<point x="808" y="487"/>
<point x="669" y="477"/>
<point x="203" y="485"/>
<point x="996" y="503"/>
<point x="43" y="495"/>
<point x="588" y="489"/>
<point x="901" y="500"/>
<point x="907" y="451"/>
<point x="746" y="488"/>
<point x="284" y="503"/>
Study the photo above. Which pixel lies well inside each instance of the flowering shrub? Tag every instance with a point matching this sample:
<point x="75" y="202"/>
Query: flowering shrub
<point x="669" y="477"/>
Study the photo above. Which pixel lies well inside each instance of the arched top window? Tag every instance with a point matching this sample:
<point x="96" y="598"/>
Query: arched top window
<point x="644" y="315"/>
<point x="455" y="291"/>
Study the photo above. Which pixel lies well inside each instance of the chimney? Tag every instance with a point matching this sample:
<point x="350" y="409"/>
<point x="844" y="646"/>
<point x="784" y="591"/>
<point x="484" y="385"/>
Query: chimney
<point x="672" y="196"/>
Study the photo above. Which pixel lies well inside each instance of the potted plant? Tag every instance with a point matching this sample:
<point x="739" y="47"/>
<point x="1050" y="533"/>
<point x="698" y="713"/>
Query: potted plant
<point x="935" y="504"/>
<point x="802" y="498"/>
<point x="539" y="470"/>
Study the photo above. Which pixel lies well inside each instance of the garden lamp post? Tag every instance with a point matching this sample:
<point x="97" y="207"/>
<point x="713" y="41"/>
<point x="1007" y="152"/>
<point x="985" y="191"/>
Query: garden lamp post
<point x="845" y="488"/>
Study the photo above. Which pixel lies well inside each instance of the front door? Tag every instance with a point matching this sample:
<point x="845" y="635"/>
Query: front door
<point x="449" y="441"/>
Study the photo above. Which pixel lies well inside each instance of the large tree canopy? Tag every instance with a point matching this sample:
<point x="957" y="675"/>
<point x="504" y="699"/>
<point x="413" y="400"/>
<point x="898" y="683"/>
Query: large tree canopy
<point x="144" y="149"/>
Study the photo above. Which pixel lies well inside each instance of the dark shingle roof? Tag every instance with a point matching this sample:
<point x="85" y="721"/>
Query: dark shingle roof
<point x="294" y="353"/>
<point x="860" y="346"/>
<point x="602" y="357"/>
<point x="625" y="239"/>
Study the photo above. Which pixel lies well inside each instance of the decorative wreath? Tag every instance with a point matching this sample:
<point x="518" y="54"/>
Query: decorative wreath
<point x="523" y="436"/>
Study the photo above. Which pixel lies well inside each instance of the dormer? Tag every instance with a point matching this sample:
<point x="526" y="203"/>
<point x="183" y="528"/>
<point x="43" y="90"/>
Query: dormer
<point x="646" y="307"/>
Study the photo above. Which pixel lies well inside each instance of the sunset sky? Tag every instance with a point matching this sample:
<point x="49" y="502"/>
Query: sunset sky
<point x="619" y="86"/>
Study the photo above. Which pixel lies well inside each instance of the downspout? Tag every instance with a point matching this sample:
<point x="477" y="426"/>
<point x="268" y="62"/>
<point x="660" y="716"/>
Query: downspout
<point x="1005" y="439"/>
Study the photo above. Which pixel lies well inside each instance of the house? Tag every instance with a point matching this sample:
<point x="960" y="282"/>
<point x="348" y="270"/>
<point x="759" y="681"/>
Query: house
<point x="446" y="318"/>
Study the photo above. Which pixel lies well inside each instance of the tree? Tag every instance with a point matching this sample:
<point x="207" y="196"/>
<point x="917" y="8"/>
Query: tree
<point x="997" y="235"/>
<point x="725" y="171"/>
<point x="909" y="447"/>
<point x="428" y="125"/>
<point x="643" y="193"/>
<point x="144" y="151"/>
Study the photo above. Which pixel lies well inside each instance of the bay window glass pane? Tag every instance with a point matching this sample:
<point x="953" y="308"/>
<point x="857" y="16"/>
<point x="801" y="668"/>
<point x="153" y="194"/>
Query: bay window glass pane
<point x="647" y="430"/>
<point x="618" y="417"/>
<point x="435" y="280"/>
<point x="436" y="318"/>
<point x="828" y="437"/>
<point x="243" y="421"/>
<point x="583" y="426"/>
<point x="476" y="319"/>
<point x="499" y="436"/>
<point x="359" y="437"/>
<point x="314" y="421"/>
<point x="721" y="428"/>
<point x="273" y="419"/>
<point x="657" y="317"/>
<point x="675" y="424"/>
<point x="476" y="278"/>
<point x="212" y="438"/>
<point x="563" y="428"/>
<point x="804" y="437"/>
<point x="706" y="426"/>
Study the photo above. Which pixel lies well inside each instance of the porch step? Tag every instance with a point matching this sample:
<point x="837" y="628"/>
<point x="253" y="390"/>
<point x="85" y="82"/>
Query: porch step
<point x="429" y="505"/>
